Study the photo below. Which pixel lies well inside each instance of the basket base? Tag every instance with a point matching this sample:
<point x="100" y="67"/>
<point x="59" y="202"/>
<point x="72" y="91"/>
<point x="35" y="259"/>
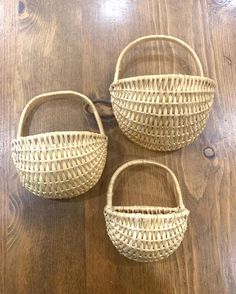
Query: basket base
<point x="157" y="145"/>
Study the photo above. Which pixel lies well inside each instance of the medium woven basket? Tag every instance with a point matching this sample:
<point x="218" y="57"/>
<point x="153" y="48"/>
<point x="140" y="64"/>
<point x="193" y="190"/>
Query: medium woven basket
<point x="162" y="112"/>
<point x="59" y="164"/>
<point x="145" y="233"/>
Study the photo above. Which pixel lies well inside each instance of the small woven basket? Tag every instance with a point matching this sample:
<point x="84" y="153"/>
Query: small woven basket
<point x="145" y="233"/>
<point x="59" y="164"/>
<point x="162" y="112"/>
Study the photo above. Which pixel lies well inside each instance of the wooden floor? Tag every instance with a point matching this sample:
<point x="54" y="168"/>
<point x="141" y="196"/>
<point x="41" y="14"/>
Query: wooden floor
<point x="61" y="246"/>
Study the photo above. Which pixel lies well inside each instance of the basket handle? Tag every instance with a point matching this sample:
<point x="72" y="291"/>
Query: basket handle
<point x="140" y="162"/>
<point x="37" y="100"/>
<point x="161" y="38"/>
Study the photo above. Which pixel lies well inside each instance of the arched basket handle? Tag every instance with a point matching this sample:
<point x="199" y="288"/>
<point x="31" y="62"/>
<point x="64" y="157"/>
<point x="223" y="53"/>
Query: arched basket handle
<point x="159" y="38"/>
<point x="140" y="162"/>
<point x="37" y="100"/>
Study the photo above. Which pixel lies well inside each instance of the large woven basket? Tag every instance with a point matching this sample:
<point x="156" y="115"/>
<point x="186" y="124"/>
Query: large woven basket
<point x="59" y="164"/>
<point x="145" y="233"/>
<point x="162" y="112"/>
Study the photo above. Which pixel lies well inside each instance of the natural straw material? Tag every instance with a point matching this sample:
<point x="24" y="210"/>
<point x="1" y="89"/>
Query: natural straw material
<point x="145" y="233"/>
<point x="59" y="164"/>
<point x="162" y="112"/>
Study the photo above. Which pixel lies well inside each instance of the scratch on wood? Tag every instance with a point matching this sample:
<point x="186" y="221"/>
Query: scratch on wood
<point x="228" y="60"/>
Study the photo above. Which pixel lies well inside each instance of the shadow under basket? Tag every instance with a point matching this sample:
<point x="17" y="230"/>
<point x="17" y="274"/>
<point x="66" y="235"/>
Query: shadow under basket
<point x="145" y="233"/>
<point x="162" y="112"/>
<point x="59" y="164"/>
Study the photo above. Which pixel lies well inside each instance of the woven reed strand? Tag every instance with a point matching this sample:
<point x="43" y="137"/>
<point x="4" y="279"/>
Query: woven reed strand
<point x="145" y="233"/>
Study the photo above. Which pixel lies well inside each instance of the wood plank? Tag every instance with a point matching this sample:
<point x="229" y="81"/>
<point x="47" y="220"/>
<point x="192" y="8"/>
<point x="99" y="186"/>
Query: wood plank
<point x="7" y="73"/>
<point x="51" y="246"/>
<point x="190" y="269"/>
<point x="46" y="238"/>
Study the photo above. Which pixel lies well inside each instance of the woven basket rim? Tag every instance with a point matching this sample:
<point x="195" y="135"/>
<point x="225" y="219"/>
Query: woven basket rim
<point x="135" y="78"/>
<point x="169" y="211"/>
<point x="58" y="133"/>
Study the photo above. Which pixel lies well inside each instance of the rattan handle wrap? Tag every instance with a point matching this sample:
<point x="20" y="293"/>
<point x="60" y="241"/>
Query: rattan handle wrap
<point x="140" y="162"/>
<point x="160" y="38"/>
<point x="43" y="97"/>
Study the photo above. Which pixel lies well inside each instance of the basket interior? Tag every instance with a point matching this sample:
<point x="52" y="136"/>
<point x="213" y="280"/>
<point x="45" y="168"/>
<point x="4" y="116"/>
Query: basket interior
<point x="58" y="140"/>
<point x="60" y="151"/>
<point x="165" y="83"/>
<point x="148" y="210"/>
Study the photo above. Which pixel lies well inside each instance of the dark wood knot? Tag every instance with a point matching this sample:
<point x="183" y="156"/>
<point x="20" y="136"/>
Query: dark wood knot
<point x="105" y="111"/>
<point x="22" y="9"/>
<point x="209" y="152"/>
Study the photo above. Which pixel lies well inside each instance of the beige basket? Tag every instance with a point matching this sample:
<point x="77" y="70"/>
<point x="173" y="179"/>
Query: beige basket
<point x="59" y="164"/>
<point x="145" y="233"/>
<point x="162" y="112"/>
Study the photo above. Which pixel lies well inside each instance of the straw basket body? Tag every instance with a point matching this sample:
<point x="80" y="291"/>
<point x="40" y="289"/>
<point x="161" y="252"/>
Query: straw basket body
<point x="59" y="164"/>
<point x="162" y="112"/>
<point x="145" y="233"/>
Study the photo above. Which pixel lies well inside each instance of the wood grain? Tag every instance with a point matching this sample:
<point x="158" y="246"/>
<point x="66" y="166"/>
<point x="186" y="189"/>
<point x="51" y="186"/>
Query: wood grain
<point x="61" y="246"/>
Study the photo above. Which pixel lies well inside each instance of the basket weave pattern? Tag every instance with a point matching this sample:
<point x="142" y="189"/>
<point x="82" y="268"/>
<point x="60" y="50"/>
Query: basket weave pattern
<point x="60" y="164"/>
<point x="162" y="112"/>
<point x="145" y="233"/>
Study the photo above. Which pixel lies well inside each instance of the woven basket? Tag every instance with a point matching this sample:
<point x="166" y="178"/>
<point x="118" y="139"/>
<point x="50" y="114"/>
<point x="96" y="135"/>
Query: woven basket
<point x="145" y="233"/>
<point x="162" y="112"/>
<point x="59" y="164"/>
